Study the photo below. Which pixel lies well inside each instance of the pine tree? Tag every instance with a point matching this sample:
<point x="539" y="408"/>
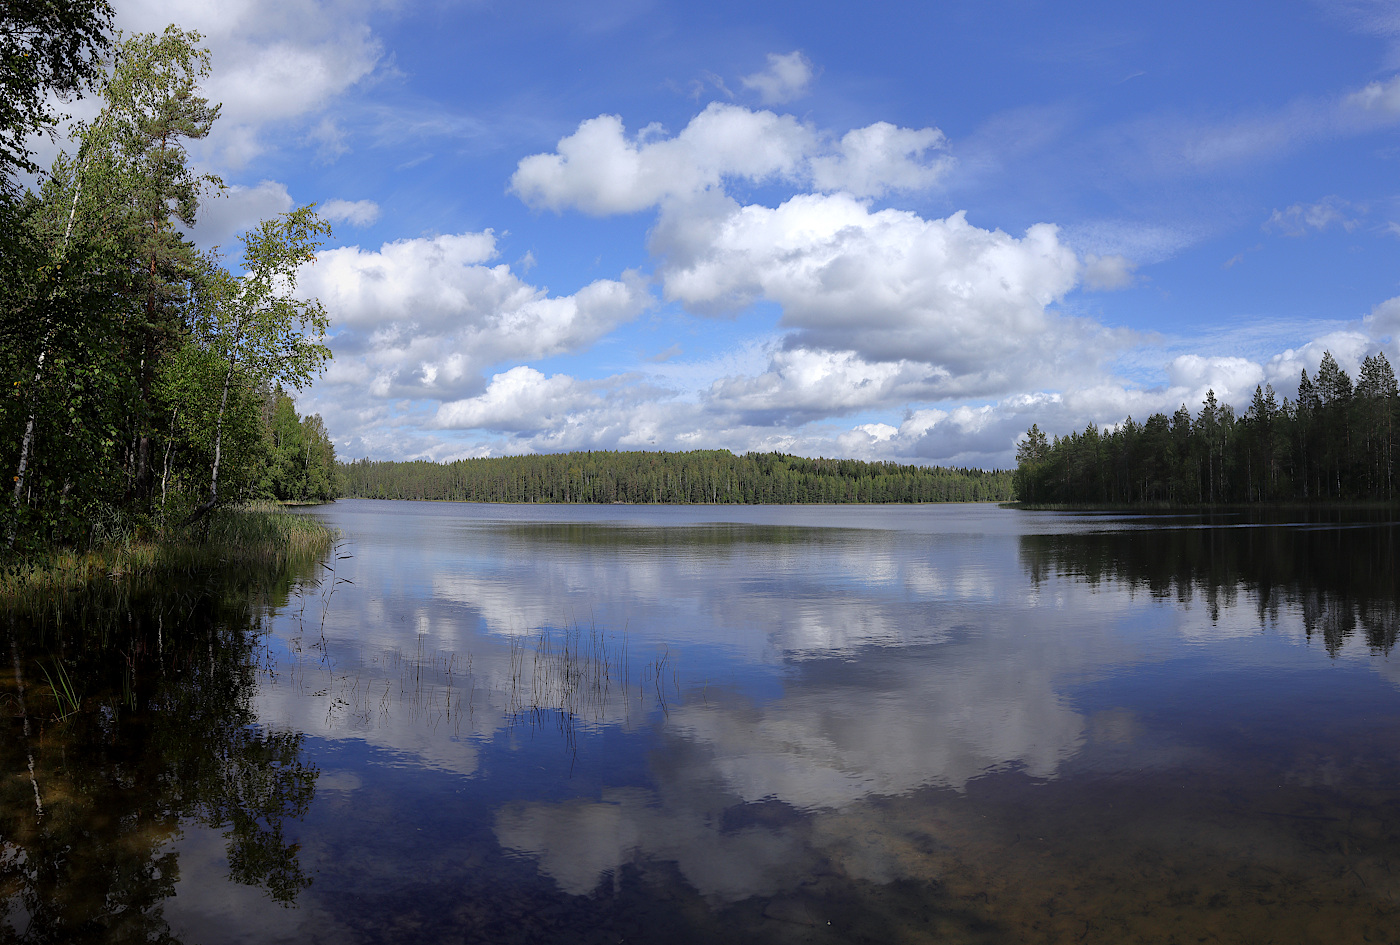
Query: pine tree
<point x="1334" y="392"/>
<point x="1378" y="400"/>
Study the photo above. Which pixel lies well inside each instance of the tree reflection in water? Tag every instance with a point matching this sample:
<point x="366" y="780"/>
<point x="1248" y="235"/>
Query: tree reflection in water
<point x="1339" y="569"/>
<point x="163" y="734"/>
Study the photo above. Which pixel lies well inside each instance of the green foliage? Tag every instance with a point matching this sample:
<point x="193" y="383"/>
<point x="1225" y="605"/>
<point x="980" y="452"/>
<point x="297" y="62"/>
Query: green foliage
<point x="1337" y="442"/>
<point x="135" y="369"/>
<point x="47" y="48"/>
<point x="153" y="106"/>
<point x="301" y="463"/>
<point x="68" y="383"/>
<point x="186" y="400"/>
<point x="697" y="477"/>
<point x="1033" y="451"/>
<point x="255" y="321"/>
<point x="232" y="548"/>
<point x="257" y="325"/>
<point x="69" y="702"/>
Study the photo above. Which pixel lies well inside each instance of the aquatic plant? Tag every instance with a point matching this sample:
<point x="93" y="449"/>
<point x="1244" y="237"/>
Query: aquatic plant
<point x="561" y="679"/>
<point x="63" y="690"/>
<point x="228" y="547"/>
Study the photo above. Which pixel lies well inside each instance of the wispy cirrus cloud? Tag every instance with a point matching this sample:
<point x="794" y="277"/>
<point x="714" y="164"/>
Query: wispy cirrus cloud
<point x="1299" y="218"/>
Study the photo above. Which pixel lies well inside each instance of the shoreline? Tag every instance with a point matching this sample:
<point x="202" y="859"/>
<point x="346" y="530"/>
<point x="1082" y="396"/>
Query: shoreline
<point x="239" y="539"/>
<point x="686" y="505"/>
<point x="1219" y="507"/>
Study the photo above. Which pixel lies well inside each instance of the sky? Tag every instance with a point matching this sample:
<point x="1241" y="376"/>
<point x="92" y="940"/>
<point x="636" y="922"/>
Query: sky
<point x="895" y="231"/>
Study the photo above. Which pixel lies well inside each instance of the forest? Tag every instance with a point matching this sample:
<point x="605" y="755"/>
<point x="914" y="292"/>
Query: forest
<point x="696" y="477"/>
<point x="145" y="380"/>
<point x="1336" y="442"/>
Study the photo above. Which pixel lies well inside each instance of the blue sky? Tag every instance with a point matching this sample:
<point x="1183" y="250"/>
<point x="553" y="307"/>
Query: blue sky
<point x="900" y="231"/>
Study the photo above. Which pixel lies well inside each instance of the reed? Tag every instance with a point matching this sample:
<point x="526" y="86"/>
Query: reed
<point x="579" y="679"/>
<point x="568" y="679"/>
<point x="124" y="560"/>
<point x="572" y="673"/>
<point x="64" y="692"/>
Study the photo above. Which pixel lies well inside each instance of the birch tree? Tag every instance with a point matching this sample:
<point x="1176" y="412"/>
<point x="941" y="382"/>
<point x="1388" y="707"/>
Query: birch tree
<point x="154" y="109"/>
<point x="111" y="213"/>
<point x="256" y="323"/>
<point x="46" y="49"/>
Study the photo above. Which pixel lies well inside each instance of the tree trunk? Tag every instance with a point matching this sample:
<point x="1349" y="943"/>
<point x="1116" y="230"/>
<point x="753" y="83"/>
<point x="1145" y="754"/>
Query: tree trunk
<point x="27" y="443"/>
<point x="165" y="471"/>
<point x="26" y="448"/>
<point x="213" y="499"/>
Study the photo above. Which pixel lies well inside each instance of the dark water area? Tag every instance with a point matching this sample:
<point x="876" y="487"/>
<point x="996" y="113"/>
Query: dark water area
<point x="485" y="723"/>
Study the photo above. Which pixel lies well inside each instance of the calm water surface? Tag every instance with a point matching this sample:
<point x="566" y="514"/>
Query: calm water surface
<point x="490" y="723"/>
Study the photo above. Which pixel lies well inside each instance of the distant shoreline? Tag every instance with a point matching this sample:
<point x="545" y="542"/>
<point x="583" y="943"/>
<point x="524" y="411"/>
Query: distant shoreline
<point x="697" y="477"/>
<point x="372" y="498"/>
<point x="1335" y="504"/>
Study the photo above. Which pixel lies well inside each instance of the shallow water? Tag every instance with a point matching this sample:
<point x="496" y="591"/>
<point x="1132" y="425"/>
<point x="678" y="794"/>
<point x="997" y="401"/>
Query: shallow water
<point x="604" y="724"/>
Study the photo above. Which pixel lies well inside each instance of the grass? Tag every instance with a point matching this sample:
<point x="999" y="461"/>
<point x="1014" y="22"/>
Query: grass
<point x="228" y="543"/>
<point x="64" y="693"/>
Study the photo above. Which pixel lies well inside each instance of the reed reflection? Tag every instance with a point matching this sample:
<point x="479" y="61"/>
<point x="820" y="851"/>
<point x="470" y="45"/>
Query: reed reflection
<point x="891" y="730"/>
<point x="129" y="716"/>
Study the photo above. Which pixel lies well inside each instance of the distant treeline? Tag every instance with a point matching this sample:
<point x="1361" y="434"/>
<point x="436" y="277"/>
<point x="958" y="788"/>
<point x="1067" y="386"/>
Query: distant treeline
<point x="1336" y="442"/>
<point x="698" y="477"/>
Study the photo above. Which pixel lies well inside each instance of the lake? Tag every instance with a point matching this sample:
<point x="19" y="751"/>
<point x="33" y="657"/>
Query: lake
<point x="950" y="723"/>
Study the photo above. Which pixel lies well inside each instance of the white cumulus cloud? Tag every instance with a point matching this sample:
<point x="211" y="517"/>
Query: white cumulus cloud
<point x="272" y="61"/>
<point x="521" y="399"/>
<point x="1230" y="377"/>
<point x="223" y="216"/>
<point x="1384" y="320"/>
<point x="888" y="285"/>
<point x="882" y="157"/>
<point x="786" y="78"/>
<point x="353" y="212"/>
<point x="424" y="317"/>
<point x="600" y="170"/>
<point x="802" y="385"/>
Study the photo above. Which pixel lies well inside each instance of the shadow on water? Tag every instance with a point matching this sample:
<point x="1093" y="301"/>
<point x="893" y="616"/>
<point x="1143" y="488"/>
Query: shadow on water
<point x="128" y="712"/>
<point x="1342" y="574"/>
